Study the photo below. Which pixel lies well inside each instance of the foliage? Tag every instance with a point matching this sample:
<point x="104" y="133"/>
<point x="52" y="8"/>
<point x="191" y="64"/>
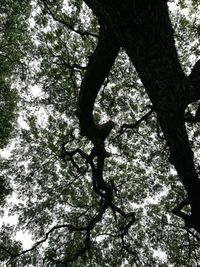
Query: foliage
<point x="7" y="110"/>
<point x="13" y="16"/>
<point x="47" y="169"/>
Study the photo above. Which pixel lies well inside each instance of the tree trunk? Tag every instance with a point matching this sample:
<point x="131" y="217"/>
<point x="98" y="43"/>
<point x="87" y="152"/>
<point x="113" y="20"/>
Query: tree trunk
<point x="144" y="30"/>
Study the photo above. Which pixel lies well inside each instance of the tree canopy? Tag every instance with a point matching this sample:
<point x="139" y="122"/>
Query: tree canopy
<point x="99" y="108"/>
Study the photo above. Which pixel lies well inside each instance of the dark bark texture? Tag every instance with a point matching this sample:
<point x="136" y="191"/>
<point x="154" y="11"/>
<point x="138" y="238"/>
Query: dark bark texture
<point x="144" y="30"/>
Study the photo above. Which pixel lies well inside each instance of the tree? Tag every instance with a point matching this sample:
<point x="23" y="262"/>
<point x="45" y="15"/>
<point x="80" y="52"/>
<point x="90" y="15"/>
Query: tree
<point x="145" y="32"/>
<point x="91" y="194"/>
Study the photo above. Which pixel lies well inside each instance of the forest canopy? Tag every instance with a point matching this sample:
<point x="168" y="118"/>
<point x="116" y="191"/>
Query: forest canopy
<point x="99" y="132"/>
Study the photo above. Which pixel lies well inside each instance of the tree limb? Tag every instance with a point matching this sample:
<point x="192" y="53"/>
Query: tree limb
<point x="98" y="68"/>
<point x="69" y="226"/>
<point x="193" y="83"/>
<point x="64" y="22"/>
<point x="190" y="221"/>
<point x="134" y="125"/>
<point x="177" y="210"/>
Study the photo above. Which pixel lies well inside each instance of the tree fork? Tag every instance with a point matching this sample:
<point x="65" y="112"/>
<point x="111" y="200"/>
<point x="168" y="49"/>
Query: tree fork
<point x="144" y="29"/>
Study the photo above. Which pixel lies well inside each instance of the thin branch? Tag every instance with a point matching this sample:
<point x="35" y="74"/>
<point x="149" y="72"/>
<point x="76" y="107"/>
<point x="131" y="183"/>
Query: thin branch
<point x="6" y="250"/>
<point x="88" y="229"/>
<point x="194" y="235"/>
<point x="69" y="156"/>
<point x="177" y="210"/>
<point x="69" y="226"/>
<point x="125" y="126"/>
<point x="64" y="22"/>
<point x="72" y="67"/>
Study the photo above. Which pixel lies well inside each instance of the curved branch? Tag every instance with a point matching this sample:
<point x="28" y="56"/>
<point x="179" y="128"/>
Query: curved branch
<point x="98" y="68"/>
<point x="69" y="226"/>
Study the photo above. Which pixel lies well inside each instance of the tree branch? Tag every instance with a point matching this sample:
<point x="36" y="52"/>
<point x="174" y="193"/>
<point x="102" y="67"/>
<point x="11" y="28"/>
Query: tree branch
<point x="193" y="119"/>
<point x="190" y="220"/>
<point x="177" y="210"/>
<point x="134" y="125"/>
<point x="69" y="226"/>
<point x="193" y="83"/>
<point x="64" y="22"/>
<point x="98" y="68"/>
<point x="69" y="156"/>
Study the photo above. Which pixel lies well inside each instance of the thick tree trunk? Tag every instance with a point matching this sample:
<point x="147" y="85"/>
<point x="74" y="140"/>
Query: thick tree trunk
<point x="143" y="28"/>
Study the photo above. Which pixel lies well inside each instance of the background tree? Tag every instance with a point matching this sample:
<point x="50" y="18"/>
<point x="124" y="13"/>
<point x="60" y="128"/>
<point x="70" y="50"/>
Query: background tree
<point x="13" y="28"/>
<point x="105" y="199"/>
<point x="13" y="33"/>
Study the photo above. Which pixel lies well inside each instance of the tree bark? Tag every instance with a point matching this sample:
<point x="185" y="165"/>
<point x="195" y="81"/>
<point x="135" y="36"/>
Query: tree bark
<point x="144" y="30"/>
